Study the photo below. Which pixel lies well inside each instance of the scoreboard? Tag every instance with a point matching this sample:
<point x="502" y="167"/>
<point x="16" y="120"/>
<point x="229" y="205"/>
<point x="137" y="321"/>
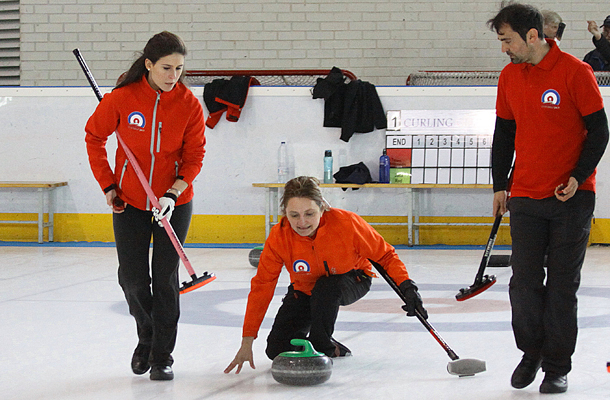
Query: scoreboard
<point x="440" y="146"/>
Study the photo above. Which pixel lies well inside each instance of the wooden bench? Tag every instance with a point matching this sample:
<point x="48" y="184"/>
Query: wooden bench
<point x="412" y="192"/>
<point x="44" y="189"/>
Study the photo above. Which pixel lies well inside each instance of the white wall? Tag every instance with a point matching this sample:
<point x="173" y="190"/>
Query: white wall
<point x="42" y="138"/>
<point x="381" y="41"/>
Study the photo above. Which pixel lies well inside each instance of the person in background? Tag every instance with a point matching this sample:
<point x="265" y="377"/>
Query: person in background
<point x="551" y="119"/>
<point x="161" y="122"/>
<point x="326" y="252"/>
<point x="599" y="59"/>
<point x="552" y="22"/>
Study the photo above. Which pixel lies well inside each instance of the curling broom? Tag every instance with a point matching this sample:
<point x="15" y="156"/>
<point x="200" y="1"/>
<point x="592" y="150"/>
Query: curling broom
<point x="457" y="366"/>
<point x="482" y="282"/>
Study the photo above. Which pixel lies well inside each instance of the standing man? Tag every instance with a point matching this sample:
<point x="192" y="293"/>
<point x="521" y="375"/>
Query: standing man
<point x="599" y="58"/>
<point x="551" y="118"/>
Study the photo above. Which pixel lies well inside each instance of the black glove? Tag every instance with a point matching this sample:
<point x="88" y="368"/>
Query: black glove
<point x="413" y="299"/>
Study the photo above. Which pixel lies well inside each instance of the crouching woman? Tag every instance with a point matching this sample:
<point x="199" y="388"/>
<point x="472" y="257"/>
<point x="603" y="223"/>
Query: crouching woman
<point x="326" y="252"/>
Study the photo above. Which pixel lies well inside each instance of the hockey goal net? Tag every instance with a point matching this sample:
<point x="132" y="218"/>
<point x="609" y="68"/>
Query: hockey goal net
<point x="472" y="78"/>
<point x="282" y="77"/>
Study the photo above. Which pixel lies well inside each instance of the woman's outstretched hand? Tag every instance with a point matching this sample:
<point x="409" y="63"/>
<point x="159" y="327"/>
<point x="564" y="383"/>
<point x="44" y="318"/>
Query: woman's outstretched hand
<point x="244" y="354"/>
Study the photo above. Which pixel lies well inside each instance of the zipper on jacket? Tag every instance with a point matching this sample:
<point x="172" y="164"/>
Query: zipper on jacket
<point x="123" y="173"/>
<point x="159" y="137"/>
<point x="313" y="250"/>
<point x="177" y="167"/>
<point x="152" y="146"/>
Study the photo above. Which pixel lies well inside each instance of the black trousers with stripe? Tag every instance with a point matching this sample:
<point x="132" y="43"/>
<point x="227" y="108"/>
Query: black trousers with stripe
<point x="544" y="305"/>
<point x="151" y="287"/>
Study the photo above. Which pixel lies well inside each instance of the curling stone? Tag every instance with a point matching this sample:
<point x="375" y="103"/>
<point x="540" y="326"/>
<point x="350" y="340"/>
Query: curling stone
<point x="255" y="255"/>
<point x="301" y="368"/>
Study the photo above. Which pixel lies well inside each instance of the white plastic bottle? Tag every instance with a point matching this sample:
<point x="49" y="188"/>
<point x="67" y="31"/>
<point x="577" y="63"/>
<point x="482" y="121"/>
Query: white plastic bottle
<point x="282" y="163"/>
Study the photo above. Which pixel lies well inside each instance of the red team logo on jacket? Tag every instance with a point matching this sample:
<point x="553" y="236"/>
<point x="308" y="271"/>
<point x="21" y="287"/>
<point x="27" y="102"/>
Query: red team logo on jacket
<point x="136" y="119"/>
<point x="300" y="266"/>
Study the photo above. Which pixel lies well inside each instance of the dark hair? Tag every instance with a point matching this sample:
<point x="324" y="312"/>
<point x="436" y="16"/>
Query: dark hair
<point x="303" y="186"/>
<point x="520" y="17"/>
<point x="161" y="45"/>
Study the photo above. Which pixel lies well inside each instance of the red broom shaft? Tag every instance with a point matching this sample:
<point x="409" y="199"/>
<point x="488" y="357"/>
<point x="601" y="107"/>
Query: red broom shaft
<point x="155" y="203"/>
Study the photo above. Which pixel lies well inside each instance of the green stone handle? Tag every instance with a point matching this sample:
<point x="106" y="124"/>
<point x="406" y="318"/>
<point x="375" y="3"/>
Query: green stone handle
<point x="308" y="350"/>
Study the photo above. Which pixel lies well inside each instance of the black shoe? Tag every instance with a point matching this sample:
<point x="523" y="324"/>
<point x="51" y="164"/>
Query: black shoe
<point x="161" y="373"/>
<point x="139" y="364"/>
<point x="340" y="350"/>
<point x="554" y="383"/>
<point x="525" y="373"/>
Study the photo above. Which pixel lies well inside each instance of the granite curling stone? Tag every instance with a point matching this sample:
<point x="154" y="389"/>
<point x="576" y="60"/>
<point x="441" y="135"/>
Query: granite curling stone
<point x="255" y="255"/>
<point x="301" y="368"/>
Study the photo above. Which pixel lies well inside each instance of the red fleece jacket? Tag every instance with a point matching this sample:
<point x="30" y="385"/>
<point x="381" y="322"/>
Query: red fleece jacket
<point x="343" y="239"/>
<point x="164" y="130"/>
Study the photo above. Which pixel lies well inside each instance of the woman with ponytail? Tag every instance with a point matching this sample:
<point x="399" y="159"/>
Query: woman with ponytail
<point x="161" y="122"/>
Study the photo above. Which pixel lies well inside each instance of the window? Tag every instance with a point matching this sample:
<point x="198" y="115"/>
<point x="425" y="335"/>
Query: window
<point x="9" y="42"/>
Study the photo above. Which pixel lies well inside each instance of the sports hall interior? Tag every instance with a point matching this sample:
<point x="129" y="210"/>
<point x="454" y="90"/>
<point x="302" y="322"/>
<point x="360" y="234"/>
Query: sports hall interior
<point x="66" y="328"/>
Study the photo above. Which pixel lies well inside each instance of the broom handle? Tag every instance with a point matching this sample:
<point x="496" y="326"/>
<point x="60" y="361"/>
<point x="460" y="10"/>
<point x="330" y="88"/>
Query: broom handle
<point x="141" y="177"/>
<point x="488" y="248"/>
<point x="493" y="235"/>
<point x="424" y="321"/>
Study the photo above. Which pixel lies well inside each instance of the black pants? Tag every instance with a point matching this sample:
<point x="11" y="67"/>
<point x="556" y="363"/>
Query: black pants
<point x="156" y="311"/>
<point x="313" y="317"/>
<point x="544" y="313"/>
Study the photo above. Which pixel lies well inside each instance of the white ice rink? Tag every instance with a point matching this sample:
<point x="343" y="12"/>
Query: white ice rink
<point x="66" y="333"/>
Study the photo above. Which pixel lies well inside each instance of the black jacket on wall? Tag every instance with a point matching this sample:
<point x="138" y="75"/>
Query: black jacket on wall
<point x="354" y="107"/>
